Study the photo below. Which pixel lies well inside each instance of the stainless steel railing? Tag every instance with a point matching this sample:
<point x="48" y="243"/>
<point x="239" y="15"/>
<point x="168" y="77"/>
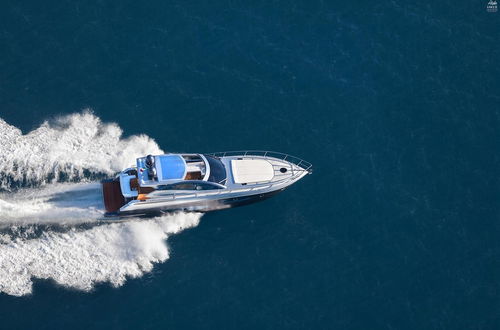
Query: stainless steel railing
<point x="266" y="154"/>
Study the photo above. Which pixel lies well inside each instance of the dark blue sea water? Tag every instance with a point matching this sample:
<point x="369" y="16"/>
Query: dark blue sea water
<point x="395" y="103"/>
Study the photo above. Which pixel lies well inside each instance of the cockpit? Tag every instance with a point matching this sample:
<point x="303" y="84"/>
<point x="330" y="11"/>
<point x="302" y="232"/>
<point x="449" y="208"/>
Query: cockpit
<point x="173" y="172"/>
<point x="163" y="169"/>
<point x="166" y="169"/>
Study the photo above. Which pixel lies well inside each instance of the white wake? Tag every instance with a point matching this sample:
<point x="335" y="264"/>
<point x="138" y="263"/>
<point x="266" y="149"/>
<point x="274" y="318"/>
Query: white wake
<point x="58" y="203"/>
<point x="80" y="259"/>
<point x="52" y="231"/>
<point x="67" y="148"/>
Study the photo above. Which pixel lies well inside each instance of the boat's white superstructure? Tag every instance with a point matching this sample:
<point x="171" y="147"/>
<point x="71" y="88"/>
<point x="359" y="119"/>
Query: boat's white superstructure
<point x="200" y="182"/>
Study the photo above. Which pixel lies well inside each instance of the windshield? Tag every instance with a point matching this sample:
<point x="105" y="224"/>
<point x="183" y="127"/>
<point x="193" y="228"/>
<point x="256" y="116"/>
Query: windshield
<point x="217" y="170"/>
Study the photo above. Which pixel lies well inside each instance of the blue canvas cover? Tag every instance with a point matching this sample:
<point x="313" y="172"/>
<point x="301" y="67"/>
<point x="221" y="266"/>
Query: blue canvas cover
<point x="170" y="167"/>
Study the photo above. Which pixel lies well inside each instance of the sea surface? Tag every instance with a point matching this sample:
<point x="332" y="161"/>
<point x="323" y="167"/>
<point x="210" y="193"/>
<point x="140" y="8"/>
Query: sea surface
<point x="395" y="103"/>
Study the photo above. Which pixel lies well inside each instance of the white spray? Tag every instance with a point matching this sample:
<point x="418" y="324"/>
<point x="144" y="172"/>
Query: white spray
<point x="67" y="146"/>
<point x="75" y="257"/>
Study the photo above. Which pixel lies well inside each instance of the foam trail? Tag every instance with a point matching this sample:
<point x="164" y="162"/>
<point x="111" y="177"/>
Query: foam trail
<point x="72" y="148"/>
<point x="62" y="204"/>
<point x="65" y="149"/>
<point x="81" y="259"/>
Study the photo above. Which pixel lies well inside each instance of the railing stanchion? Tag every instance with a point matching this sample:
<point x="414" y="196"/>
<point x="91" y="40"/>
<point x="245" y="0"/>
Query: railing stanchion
<point x="266" y="154"/>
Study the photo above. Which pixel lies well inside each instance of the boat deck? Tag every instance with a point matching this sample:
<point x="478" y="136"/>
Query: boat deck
<point x="134" y="185"/>
<point x="112" y="195"/>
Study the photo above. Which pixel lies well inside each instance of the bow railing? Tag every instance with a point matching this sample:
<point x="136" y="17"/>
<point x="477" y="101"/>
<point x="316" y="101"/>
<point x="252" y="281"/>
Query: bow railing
<point x="266" y="154"/>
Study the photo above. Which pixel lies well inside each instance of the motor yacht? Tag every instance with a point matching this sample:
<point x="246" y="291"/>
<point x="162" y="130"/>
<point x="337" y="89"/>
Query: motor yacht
<point x="199" y="182"/>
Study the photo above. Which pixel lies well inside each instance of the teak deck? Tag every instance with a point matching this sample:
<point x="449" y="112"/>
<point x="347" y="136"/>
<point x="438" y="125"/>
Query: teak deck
<point x="113" y="197"/>
<point x="134" y="185"/>
<point x="112" y="194"/>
